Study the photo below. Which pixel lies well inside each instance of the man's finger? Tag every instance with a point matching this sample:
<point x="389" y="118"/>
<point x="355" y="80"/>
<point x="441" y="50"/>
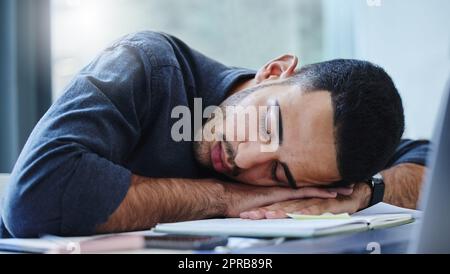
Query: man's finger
<point x="345" y="191"/>
<point x="276" y="214"/>
<point x="279" y="210"/>
<point x="317" y="209"/>
<point x="276" y="195"/>
<point x="329" y="206"/>
<point x="275" y="211"/>
<point x="314" y="192"/>
<point x="244" y="215"/>
<point x="254" y="214"/>
<point x="257" y="214"/>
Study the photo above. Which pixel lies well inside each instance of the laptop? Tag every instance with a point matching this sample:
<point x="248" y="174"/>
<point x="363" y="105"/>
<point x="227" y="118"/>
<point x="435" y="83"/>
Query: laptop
<point x="433" y="232"/>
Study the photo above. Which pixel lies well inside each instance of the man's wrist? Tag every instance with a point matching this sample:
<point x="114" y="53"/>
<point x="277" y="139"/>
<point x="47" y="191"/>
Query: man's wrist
<point x="229" y="195"/>
<point x="218" y="201"/>
<point x="365" y="194"/>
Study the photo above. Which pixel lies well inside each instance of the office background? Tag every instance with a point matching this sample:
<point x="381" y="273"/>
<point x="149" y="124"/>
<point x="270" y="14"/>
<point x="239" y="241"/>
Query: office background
<point x="45" y="42"/>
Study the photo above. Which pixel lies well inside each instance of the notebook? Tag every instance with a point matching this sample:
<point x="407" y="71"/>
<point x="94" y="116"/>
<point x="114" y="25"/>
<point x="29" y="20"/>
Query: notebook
<point x="377" y="217"/>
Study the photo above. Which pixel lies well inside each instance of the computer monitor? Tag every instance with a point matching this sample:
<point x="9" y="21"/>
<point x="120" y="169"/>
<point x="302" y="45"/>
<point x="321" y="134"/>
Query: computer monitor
<point x="433" y="232"/>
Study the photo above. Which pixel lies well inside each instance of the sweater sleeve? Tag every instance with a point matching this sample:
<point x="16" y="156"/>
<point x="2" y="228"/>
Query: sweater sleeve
<point x="409" y="151"/>
<point x="69" y="177"/>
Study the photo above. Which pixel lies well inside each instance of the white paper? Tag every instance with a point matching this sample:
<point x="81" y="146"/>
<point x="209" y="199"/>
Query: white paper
<point x="383" y="208"/>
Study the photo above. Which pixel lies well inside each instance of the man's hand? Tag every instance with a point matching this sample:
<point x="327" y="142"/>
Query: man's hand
<point x="239" y="197"/>
<point x="358" y="199"/>
<point x="403" y="184"/>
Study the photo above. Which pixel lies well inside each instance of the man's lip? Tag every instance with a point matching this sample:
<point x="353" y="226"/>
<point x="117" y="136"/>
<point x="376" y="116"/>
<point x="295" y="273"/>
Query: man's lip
<point x="218" y="159"/>
<point x="224" y="160"/>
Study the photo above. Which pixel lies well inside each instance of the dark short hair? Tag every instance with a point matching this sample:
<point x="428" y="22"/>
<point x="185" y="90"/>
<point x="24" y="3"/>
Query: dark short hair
<point x="368" y="113"/>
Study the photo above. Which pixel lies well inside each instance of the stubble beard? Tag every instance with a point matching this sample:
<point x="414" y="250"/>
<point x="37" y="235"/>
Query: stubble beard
<point x="202" y="149"/>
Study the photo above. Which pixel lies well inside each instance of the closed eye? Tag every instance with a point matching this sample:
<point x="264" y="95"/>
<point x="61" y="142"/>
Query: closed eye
<point x="290" y="179"/>
<point x="274" y="172"/>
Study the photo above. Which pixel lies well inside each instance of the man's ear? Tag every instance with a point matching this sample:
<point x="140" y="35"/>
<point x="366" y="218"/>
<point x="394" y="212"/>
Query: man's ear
<point x="279" y="68"/>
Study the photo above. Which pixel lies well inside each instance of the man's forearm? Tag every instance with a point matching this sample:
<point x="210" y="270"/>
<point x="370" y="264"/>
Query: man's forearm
<point x="403" y="185"/>
<point x="151" y="201"/>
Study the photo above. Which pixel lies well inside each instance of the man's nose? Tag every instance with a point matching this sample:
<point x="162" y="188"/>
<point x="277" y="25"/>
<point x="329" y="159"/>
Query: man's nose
<point x="249" y="155"/>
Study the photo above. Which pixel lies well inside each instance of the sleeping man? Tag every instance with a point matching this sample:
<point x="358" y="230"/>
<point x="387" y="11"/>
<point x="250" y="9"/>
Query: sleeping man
<point x="147" y="133"/>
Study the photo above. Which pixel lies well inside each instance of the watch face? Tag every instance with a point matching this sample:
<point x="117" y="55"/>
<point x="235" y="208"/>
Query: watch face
<point x="378" y="176"/>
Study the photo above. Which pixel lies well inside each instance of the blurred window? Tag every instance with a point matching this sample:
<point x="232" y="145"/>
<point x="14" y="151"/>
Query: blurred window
<point x="244" y="33"/>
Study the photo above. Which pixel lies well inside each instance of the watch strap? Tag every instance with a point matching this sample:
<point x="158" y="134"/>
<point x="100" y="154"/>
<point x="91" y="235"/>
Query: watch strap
<point x="378" y="188"/>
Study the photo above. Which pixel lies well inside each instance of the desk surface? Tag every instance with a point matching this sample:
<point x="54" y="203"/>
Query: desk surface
<point x="387" y="241"/>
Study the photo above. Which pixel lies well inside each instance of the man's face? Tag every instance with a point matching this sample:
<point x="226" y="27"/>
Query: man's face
<point x="306" y="154"/>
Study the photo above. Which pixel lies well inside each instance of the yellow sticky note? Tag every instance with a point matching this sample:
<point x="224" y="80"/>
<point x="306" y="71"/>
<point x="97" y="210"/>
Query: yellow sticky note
<point x="326" y="216"/>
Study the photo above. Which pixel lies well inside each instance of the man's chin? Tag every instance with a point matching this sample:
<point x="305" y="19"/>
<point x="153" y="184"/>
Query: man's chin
<point x="202" y="154"/>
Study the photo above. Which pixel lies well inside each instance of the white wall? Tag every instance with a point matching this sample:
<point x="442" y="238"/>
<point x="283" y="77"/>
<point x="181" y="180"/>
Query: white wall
<point x="3" y="182"/>
<point x="409" y="38"/>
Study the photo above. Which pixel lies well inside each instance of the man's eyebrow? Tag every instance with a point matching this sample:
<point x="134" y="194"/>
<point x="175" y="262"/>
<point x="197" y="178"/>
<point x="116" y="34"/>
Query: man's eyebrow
<point x="289" y="176"/>
<point x="280" y="123"/>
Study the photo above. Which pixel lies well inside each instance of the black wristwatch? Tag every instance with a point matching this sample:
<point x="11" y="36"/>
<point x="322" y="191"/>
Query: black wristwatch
<point x="377" y="186"/>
